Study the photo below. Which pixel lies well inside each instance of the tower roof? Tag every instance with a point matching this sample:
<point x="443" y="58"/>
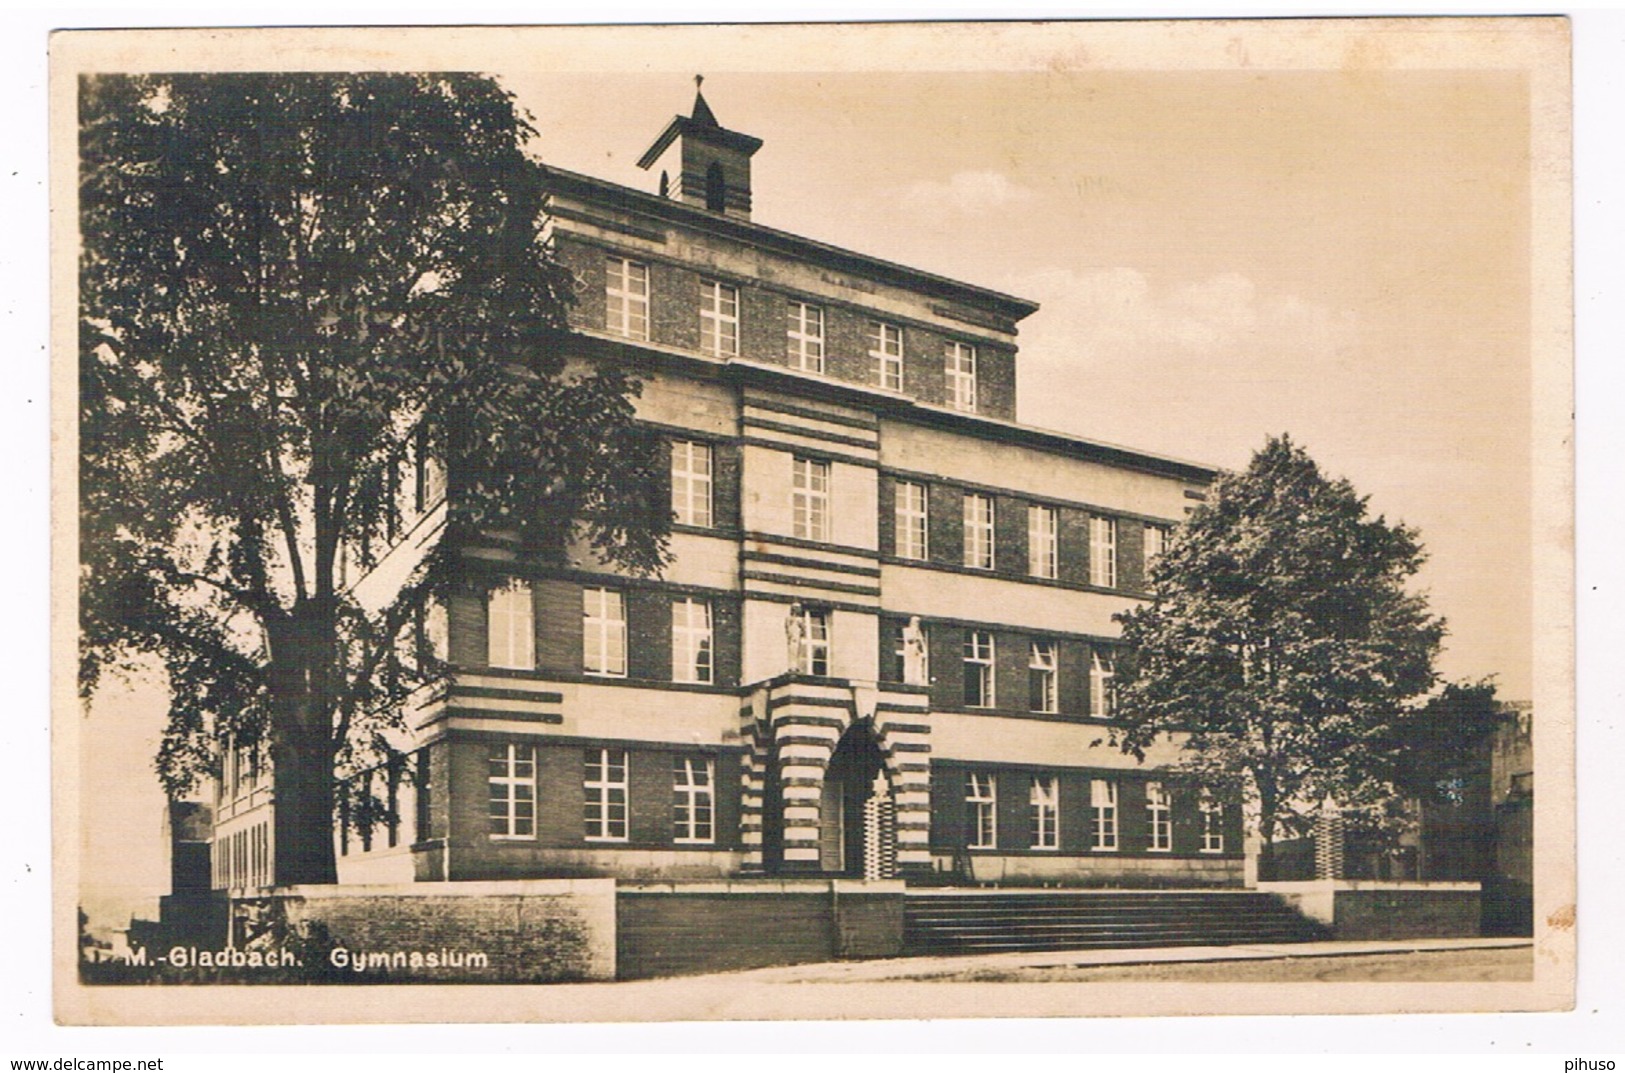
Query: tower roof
<point x="701" y="125"/>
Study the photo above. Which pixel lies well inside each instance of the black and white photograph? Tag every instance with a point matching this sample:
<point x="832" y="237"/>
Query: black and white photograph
<point x="661" y="523"/>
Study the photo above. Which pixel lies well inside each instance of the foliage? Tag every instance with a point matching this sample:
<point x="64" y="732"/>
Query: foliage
<point x="293" y="288"/>
<point x="1280" y="644"/>
<point x="1441" y="740"/>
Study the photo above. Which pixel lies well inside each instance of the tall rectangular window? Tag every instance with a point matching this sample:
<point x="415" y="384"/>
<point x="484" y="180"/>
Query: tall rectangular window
<point x="981" y="799"/>
<point x="1156" y="541"/>
<point x="815" y="645"/>
<point x="1212" y="822"/>
<point x="913" y="532"/>
<point x="693" y="808"/>
<point x="978" y="669"/>
<point x="626" y="298"/>
<point x="719" y="318"/>
<point x="1101" y="672"/>
<point x="978" y="531"/>
<point x="960" y="367"/>
<point x="510" y="627"/>
<point x="886" y="348"/>
<point x="605" y="786"/>
<point x="1156" y="814"/>
<point x="1041" y="694"/>
<point x="511" y="784"/>
<point x="1044" y="800"/>
<point x="692" y="657"/>
<point x="691" y="483"/>
<point x="603" y="632"/>
<point x="809" y="499"/>
<point x="1042" y="541"/>
<point x="806" y="337"/>
<point x="1103" y="813"/>
<point x="1103" y="552"/>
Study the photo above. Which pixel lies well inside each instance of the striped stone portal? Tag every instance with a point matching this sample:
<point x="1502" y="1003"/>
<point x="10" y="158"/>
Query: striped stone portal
<point x="803" y="721"/>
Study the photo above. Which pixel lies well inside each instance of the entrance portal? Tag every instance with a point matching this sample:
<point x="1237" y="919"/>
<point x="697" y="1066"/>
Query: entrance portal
<point x="856" y="821"/>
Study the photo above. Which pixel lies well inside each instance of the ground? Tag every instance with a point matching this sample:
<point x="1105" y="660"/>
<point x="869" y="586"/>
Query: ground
<point x="1423" y="966"/>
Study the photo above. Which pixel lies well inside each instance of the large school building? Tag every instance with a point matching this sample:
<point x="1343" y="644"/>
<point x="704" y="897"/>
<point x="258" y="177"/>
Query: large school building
<point x="884" y="644"/>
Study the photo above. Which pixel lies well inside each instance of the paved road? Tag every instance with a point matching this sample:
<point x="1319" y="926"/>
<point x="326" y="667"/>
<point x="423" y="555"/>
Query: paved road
<point x="1417" y="959"/>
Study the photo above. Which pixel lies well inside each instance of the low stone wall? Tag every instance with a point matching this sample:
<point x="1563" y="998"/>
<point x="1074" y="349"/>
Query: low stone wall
<point x="672" y="929"/>
<point x="1375" y="909"/>
<point x="517" y="931"/>
<point x="1103" y="870"/>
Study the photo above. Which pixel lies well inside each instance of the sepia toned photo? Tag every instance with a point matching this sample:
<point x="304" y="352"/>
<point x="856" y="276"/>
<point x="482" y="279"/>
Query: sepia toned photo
<point x="825" y="521"/>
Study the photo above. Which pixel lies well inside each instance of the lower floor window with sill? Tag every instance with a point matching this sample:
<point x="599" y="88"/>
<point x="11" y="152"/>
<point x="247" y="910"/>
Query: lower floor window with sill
<point x="1103" y="809"/>
<point x="605" y="785"/>
<point x="982" y="800"/>
<point x="512" y="791"/>
<point x="1157" y="817"/>
<point x="693" y="800"/>
<point x="1046" y="811"/>
<point x="1212" y="823"/>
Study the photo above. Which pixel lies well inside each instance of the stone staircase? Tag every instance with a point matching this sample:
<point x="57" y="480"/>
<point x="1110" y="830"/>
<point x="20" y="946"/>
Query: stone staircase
<point x="980" y="921"/>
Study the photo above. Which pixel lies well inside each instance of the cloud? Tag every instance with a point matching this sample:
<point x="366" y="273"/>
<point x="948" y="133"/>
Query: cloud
<point x="965" y="192"/>
<point x="1197" y="368"/>
<point x="1119" y="313"/>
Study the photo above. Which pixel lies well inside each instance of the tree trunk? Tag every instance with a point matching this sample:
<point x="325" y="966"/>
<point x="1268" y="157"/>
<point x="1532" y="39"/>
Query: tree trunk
<point x="302" y="747"/>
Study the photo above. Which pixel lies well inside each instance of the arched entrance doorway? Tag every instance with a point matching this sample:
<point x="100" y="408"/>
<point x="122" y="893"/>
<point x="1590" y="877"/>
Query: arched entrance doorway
<point x="856" y="826"/>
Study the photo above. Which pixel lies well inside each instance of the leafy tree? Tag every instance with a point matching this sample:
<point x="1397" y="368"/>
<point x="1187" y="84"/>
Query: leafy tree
<point x="1280" y="644"/>
<point x="291" y="286"/>
<point x="1441" y="740"/>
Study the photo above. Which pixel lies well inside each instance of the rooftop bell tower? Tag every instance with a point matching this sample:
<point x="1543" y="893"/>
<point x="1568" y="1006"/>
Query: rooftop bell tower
<point x="701" y="163"/>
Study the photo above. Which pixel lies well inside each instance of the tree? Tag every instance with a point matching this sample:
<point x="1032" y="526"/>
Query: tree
<point x="292" y="285"/>
<point x="1280" y="643"/>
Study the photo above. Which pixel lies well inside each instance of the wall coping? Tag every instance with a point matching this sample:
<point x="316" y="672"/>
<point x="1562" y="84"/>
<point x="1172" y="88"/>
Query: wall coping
<point x="1320" y="886"/>
<point x="765" y="886"/>
<point x="456" y="889"/>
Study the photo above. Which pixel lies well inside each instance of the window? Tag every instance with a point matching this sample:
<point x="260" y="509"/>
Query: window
<point x="693" y="808"/>
<point x="1156" y="541"/>
<point x="815" y="643"/>
<point x="719" y="318"/>
<point x="605" y="785"/>
<point x="1156" y="813"/>
<point x="1041" y="677"/>
<point x="1103" y="552"/>
<point x="511" y="780"/>
<point x="1101" y="701"/>
<point x="978" y="669"/>
<point x="809" y="499"/>
<point x="982" y="797"/>
<point x="978" y="531"/>
<point x="716" y="189"/>
<point x="511" y="630"/>
<point x="912" y="514"/>
<point x="886" y="348"/>
<point x="1212" y="823"/>
<point x="1103" y="811"/>
<point x="1042" y="553"/>
<point x="1045" y="802"/>
<point x="806" y="337"/>
<point x="603" y="632"/>
<point x="691" y="641"/>
<point x="960" y="366"/>
<point x="626" y="298"/>
<point x="691" y="483"/>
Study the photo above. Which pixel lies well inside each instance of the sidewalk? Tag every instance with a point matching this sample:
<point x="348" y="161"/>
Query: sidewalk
<point x="915" y="968"/>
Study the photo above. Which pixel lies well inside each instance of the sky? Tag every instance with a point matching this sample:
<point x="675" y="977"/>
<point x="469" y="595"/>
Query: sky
<point x="1219" y="256"/>
<point x="1221" y="253"/>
